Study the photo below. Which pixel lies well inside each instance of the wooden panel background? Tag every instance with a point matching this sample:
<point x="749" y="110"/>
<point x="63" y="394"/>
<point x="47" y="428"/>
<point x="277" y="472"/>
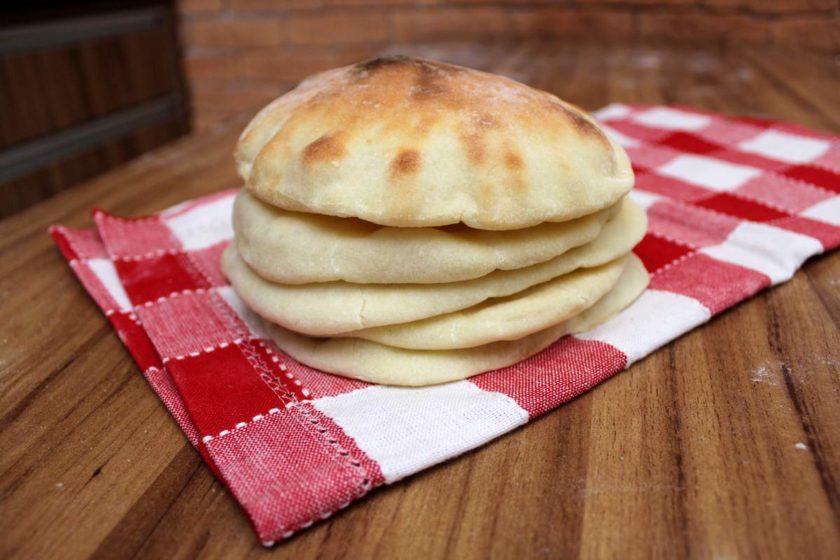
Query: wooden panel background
<point x="51" y="89"/>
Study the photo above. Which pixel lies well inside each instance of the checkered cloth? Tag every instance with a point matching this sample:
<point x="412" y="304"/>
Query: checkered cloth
<point x="735" y="205"/>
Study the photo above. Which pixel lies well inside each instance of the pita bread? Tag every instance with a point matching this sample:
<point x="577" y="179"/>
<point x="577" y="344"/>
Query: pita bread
<point x="331" y="308"/>
<point x="508" y="318"/>
<point x="378" y="363"/>
<point x="296" y="248"/>
<point x="405" y="142"/>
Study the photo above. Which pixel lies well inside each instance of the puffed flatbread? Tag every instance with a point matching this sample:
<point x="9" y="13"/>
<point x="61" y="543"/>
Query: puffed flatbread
<point x="378" y="363"/>
<point x="297" y="248"/>
<point x="508" y="318"/>
<point x="331" y="308"/>
<point x="406" y="142"/>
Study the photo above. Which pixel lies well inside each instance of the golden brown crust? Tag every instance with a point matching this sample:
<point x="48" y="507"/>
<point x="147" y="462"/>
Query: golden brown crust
<point x="489" y="151"/>
<point x="326" y="148"/>
<point x="513" y="160"/>
<point x="407" y="162"/>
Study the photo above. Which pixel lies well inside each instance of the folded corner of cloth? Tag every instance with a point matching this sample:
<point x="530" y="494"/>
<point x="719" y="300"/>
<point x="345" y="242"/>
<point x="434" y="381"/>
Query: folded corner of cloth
<point x="734" y="205"/>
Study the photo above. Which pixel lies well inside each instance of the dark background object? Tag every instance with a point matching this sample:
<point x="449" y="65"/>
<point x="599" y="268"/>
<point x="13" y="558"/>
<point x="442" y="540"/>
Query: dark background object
<point x="83" y="88"/>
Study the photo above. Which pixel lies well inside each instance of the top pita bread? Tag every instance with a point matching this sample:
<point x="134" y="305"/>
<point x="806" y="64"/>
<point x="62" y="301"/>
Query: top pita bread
<point x="405" y="142"/>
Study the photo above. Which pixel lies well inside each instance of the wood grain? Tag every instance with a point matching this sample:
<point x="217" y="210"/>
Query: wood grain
<point x="723" y="444"/>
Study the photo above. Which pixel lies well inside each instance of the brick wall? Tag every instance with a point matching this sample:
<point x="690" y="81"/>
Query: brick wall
<point x="239" y="54"/>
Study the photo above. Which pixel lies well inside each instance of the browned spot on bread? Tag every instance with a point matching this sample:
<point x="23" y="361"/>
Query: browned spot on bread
<point x="474" y="145"/>
<point x="399" y="61"/>
<point x="586" y="129"/>
<point x="428" y="83"/>
<point x="376" y="63"/>
<point x="326" y="148"/>
<point x="406" y="162"/>
<point x="580" y="123"/>
<point x="513" y="160"/>
<point x="518" y="182"/>
<point x="424" y="125"/>
<point x="402" y="80"/>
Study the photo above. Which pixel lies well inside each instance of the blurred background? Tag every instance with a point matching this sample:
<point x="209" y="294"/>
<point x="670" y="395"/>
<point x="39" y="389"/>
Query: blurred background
<point x="87" y="86"/>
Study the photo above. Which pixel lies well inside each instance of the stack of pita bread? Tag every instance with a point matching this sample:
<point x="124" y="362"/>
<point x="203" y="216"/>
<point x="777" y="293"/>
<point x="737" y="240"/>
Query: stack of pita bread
<point x="410" y="222"/>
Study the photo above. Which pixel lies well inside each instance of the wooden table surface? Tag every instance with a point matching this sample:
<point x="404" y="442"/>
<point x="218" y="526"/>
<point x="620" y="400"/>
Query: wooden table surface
<point x="724" y="444"/>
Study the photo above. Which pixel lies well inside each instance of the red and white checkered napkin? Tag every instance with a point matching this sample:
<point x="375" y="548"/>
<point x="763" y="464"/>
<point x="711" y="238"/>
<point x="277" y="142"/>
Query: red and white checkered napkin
<point x="735" y="205"/>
